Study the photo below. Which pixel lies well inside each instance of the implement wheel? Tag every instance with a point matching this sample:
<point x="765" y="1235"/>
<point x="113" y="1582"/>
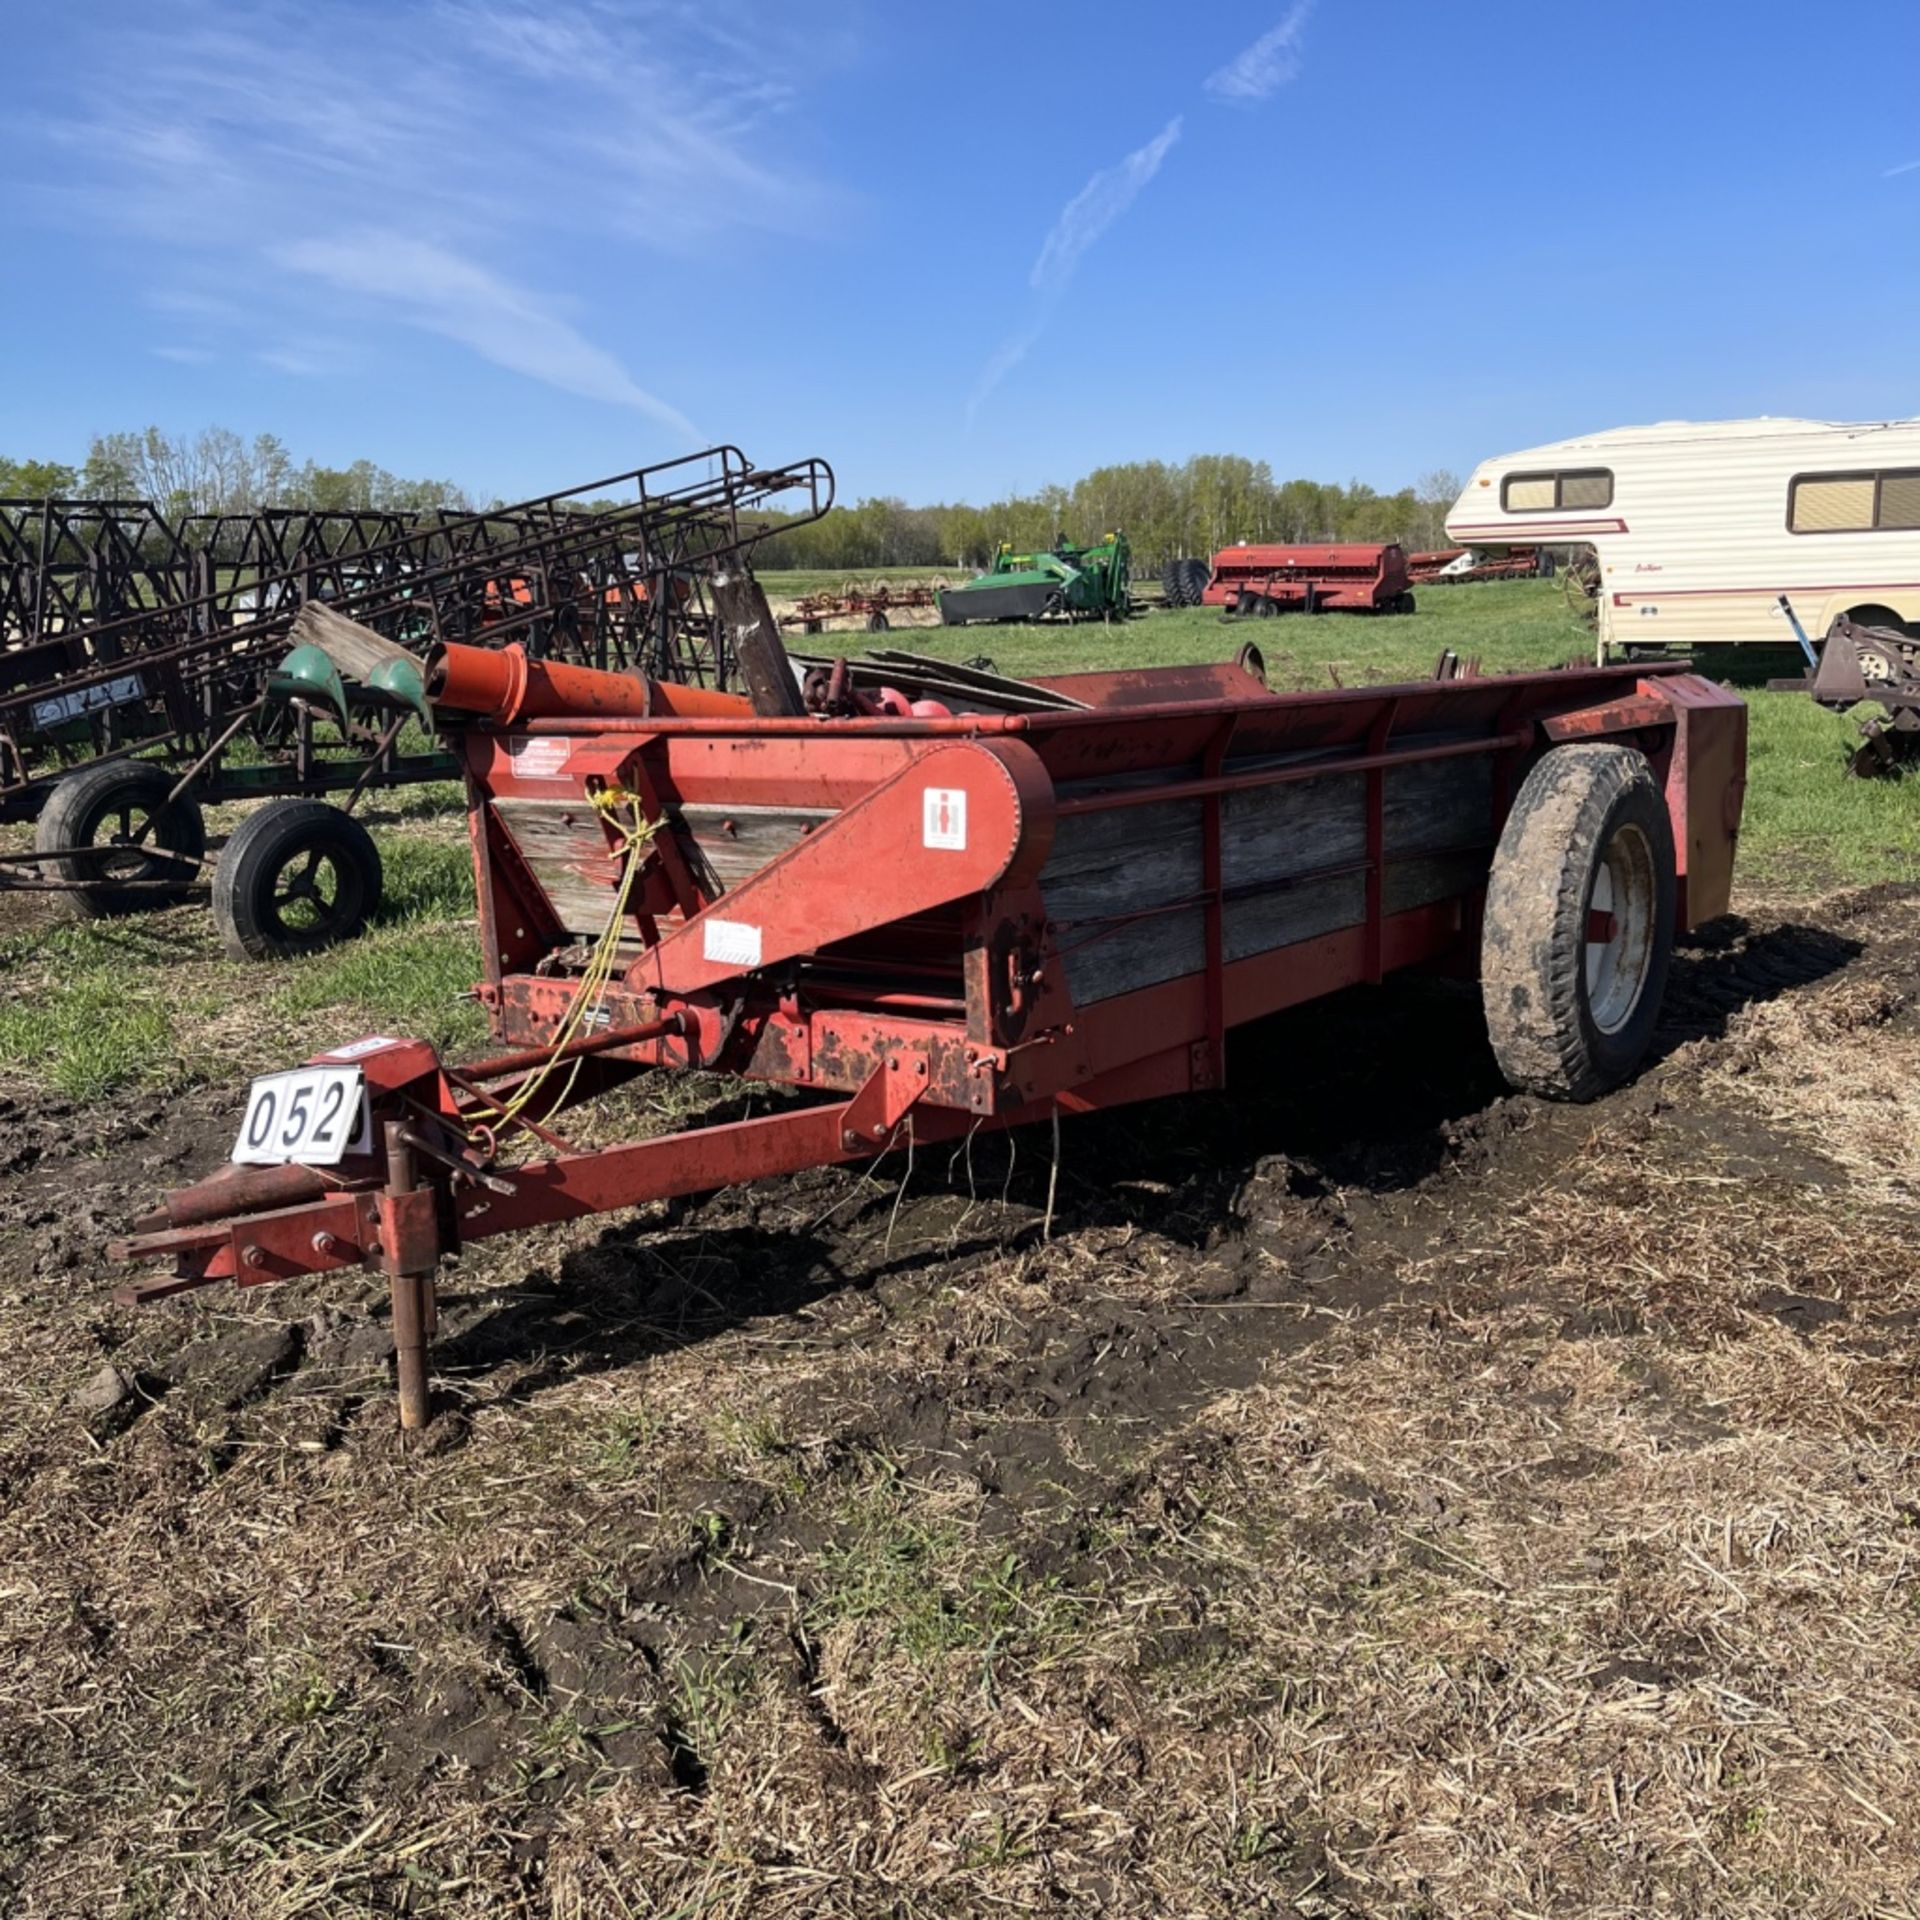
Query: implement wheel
<point x="101" y="812"/>
<point x="878" y="623"/>
<point x="1579" y="923"/>
<point x="297" y="876"/>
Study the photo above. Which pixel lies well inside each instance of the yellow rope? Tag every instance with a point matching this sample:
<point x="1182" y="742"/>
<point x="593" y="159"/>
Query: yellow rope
<point x="602" y="961"/>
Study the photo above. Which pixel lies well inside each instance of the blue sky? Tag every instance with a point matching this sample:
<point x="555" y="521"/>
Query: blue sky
<point x="955" y="249"/>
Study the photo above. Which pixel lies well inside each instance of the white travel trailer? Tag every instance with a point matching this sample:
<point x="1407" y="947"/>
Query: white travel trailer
<point x="1699" y="527"/>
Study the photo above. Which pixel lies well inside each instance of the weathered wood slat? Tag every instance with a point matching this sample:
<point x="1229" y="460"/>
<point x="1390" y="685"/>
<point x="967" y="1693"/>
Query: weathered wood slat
<point x="568" y="852"/>
<point x="354" y="649"/>
<point x="1108" y="866"/>
<point x="725" y="845"/>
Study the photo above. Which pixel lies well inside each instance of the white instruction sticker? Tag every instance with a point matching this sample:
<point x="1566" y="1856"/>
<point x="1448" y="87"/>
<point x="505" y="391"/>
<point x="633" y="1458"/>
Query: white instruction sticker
<point x="536" y="759"/>
<point x="359" y="1049"/>
<point x="731" y="943"/>
<point x="943" y="819"/>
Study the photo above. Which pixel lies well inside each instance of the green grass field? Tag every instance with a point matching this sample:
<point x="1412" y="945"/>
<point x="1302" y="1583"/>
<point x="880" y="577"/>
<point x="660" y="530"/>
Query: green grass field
<point x="88" y="1008"/>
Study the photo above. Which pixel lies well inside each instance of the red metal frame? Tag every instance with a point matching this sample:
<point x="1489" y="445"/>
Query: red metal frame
<point x="1350" y="578"/>
<point x="895" y="957"/>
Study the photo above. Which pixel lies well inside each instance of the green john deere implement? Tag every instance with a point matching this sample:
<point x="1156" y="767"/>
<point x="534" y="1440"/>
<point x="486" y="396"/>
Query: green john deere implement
<point x="1068" y="583"/>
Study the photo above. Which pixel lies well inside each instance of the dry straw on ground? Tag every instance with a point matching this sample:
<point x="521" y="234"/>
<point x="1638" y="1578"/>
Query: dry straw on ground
<point x="1515" y="1517"/>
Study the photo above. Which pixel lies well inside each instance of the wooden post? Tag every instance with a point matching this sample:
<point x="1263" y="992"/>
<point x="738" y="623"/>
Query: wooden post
<point x="740" y="604"/>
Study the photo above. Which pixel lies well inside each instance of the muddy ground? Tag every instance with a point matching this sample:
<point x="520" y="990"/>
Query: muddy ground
<point x="1375" y="1494"/>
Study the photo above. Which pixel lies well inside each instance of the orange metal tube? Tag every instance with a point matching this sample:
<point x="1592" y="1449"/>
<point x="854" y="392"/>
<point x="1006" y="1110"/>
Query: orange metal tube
<point x="503" y="685"/>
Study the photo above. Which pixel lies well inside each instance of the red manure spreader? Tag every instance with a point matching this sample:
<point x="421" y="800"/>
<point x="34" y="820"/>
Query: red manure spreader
<point x="929" y="915"/>
<point x="1257" y="581"/>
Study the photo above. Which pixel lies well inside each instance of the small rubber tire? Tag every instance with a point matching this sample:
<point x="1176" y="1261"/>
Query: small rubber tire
<point x="879" y="623"/>
<point x="248" y="902"/>
<point x="1263" y="608"/>
<point x="85" y="801"/>
<point x="1570" y="1015"/>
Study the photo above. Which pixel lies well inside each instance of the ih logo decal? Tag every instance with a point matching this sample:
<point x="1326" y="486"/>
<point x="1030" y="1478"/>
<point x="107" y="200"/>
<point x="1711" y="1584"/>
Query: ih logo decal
<point x="944" y="818"/>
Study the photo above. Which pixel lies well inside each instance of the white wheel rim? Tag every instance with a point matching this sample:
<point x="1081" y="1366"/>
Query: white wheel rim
<point x="1620" y="916"/>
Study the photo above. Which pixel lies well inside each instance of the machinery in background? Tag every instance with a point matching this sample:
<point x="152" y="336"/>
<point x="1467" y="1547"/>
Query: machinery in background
<point x="1256" y="581"/>
<point x="1467" y="566"/>
<point x="1064" y="583"/>
<point x="114" y="731"/>
<point x="1862" y="663"/>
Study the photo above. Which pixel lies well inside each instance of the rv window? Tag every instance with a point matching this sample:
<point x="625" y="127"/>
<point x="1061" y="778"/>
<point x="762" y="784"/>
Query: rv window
<point x="1544" y="492"/>
<point x="1833" y="506"/>
<point x="1899" y="500"/>
<point x="1854" y="502"/>
<point x="1525" y="492"/>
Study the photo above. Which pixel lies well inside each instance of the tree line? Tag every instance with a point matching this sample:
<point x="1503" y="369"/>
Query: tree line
<point x="1166" y="509"/>
<point x="216" y="471"/>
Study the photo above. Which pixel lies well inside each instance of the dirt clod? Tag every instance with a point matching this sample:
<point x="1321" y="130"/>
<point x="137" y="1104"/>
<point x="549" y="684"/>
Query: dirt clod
<point x="103" y="1392"/>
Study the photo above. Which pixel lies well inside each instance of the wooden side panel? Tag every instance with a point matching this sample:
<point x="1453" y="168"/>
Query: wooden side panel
<point x="1122" y="887"/>
<point x="568" y="851"/>
<point x="725" y="845"/>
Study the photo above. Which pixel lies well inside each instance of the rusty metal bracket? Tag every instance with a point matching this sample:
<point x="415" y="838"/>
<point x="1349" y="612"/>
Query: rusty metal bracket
<point x="886" y="1099"/>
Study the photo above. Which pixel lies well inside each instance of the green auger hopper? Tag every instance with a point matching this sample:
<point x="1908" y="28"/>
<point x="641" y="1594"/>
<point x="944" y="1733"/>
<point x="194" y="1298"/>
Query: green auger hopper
<point x="1068" y="583"/>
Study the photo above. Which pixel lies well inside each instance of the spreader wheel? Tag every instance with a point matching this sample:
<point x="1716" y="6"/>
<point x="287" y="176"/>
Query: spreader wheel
<point x="297" y="876"/>
<point x="1579" y="923"/>
<point x="131" y="846"/>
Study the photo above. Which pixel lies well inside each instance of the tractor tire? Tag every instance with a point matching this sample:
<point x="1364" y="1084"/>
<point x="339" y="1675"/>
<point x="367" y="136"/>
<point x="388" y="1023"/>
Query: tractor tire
<point x="1579" y="923"/>
<point x="1173" y="583"/>
<point x="103" y="807"/>
<point x="1199" y="579"/>
<point x="297" y="876"/>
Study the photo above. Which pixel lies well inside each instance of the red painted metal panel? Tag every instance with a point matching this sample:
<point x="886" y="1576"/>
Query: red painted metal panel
<point x="1706" y="789"/>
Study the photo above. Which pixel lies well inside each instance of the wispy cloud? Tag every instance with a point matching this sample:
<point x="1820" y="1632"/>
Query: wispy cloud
<point x="184" y="356"/>
<point x="1082" y="221"/>
<point x="479" y="169"/>
<point x="443" y="293"/>
<point x="1265" y="67"/>
<point x="1893" y="173"/>
<point x="1095" y="208"/>
<point x="308" y="358"/>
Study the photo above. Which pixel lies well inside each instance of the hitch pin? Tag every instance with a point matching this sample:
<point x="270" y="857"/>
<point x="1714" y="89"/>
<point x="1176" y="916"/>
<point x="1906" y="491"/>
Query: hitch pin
<point x="458" y="1162"/>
